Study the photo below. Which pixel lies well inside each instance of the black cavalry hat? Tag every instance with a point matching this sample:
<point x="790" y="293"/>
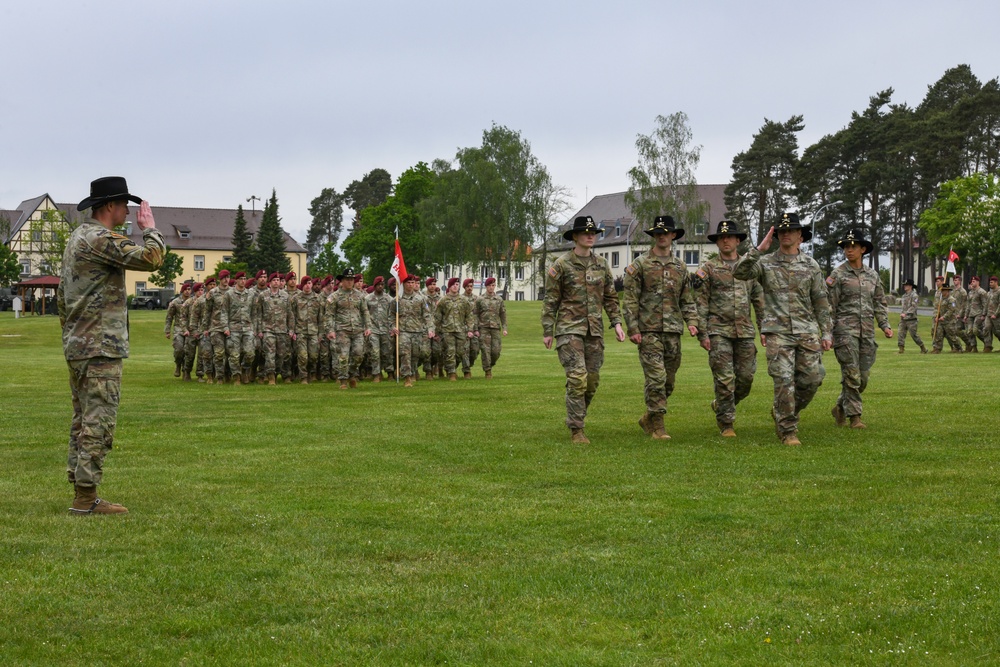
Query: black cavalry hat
<point x="727" y="227"/>
<point x="856" y="235"/>
<point x="348" y="273"/>
<point x="108" y="188"/>
<point x="789" y="221"/>
<point x="909" y="281"/>
<point x="663" y="224"/>
<point x="583" y="223"/>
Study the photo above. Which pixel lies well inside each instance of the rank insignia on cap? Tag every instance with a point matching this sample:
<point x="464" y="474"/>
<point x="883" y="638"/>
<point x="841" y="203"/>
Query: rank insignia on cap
<point x="830" y="281"/>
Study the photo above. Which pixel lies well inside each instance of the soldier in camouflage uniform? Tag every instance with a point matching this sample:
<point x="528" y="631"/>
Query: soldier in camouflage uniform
<point x="325" y="354"/>
<point x="238" y="329"/>
<point x="196" y="315"/>
<point x="416" y="328"/>
<point x="174" y="327"/>
<point x="658" y="300"/>
<point x="725" y="327"/>
<point x="308" y="327"/>
<point x="579" y="285"/>
<point x="455" y="323"/>
<point x="975" y="315"/>
<point x="908" y="317"/>
<point x="961" y="302"/>
<point x="348" y="324"/>
<point x="471" y="342"/>
<point x="434" y="360"/>
<point x="192" y="332"/>
<point x="796" y="320"/>
<point x="491" y="314"/>
<point x="380" y="347"/>
<point x="213" y="322"/>
<point x="991" y="323"/>
<point x="92" y="313"/>
<point x="856" y="298"/>
<point x="946" y="321"/>
<point x="273" y="322"/>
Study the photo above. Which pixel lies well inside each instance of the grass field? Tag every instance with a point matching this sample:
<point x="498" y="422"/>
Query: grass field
<point x="453" y="523"/>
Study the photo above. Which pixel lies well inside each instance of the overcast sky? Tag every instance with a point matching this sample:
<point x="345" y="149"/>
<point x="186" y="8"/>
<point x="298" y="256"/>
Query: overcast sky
<point x="205" y="103"/>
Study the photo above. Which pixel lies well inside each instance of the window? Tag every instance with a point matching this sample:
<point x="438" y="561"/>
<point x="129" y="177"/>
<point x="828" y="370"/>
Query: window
<point x="484" y="272"/>
<point x="184" y="234"/>
<point x="36" y="236"/>
<point x="614" y="260"/>
<point x="518" y="296"/>
<point x="54" y="236"/>
<point x="199" y="262"/>
<point x="618" y="230"/>
<point x="140" y="285"/>
<point x="227" y="258"/>
<point x="501" y="273"/>
<point x="636" y="253"/>
<point x="519" y="273"/>
<point x="25" y="267"/>
<point x="691" y="257"/>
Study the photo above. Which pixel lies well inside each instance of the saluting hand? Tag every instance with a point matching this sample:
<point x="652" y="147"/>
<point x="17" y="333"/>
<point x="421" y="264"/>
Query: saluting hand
<point x="145" y="216"/>
<point x="765" y="243"/>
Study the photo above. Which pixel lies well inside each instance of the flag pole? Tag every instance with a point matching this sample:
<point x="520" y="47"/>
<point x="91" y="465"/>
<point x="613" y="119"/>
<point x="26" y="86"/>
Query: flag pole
<point x="399" y="287"/>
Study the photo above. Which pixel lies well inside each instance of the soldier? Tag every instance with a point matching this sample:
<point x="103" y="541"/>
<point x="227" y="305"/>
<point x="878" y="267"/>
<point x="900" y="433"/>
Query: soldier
<point x="961" y="303"/>
<point x="946" y="320"/>
<point x="454" y="321"/>
<point x="434" y="360"/>
<point x="348" y="324"/>
<point x="975" y="315"/>
<point x="491" y="315"/>
<point x="173" y="328"/>
<point x="206" y="358"/>
<point x="238" y="329"/>
<point x="991" y="323"/>
<point x="308" y="327"/>
<point x="326" y="290"/>
<point x="380" y="348"/>
<point x="192" y="327"/>
<point x="472" y="342"/>
<point x="578" y="287"/>
<point x="908" y="317"/>
<point x="273" y="322"/>
<point x="215" y="325"/>
<point x="856" y="298"/>
<point x="796" y="320"/>
<point x="725" y="329"/>
<point x="257" y="358"/>
<point x="657" y="296"/>
<point x="92" y="313"/>
<point x="416" y="328"/>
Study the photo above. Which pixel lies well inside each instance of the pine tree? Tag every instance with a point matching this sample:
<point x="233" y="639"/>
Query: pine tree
<point x="243" y="252"/>
<point x="271" y="240"/>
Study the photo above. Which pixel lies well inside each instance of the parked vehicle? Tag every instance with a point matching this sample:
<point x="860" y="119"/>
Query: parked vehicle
<point x="152" y="299"/>
<point x="7" y="295"/>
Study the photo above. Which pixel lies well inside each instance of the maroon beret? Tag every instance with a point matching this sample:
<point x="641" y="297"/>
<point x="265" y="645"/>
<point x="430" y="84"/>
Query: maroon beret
<point x="411" y="277"/>
<point x="224" y="273"/>
<point x="378" y="279"/>
<point x="289" y="275"/>
<point x="467" y="282"/>
<point x="489" y="281"/>
<point x="239" y="274"/>
<point x="275" y="275"/>
<point x="260" y="273"/>
<point x="452" y="281"/>
<point x="196" y="287"/>
<point x="392" y="281"/>
<point x="210" y="281"/>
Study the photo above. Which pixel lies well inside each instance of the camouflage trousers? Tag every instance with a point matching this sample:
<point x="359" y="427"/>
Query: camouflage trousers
<point x="413" y="348"/>
<point x="206" y="360"/>
<point x="976" y="330"/>
<point x="307" y="353"/>
<point x="470" y="354"/>
<point x="435" y="356"/>
<point x="581" y="357"/>
<point x="382" y="352"/>
<point x="947" y="329"/>
<point x="454" y="345"/>
<point x="856" y="356"/>
<point x="323" y="358"/>
<point x="350" y="351"/>
<point x="489" y="345"/>
<point x="991" y="328"/>
<point x="96" y="386"/>
<point x="908" y="327"/>
<point x="275" y="346"/>
<point x="660" y="357"/>
<point x="795" y="363"/>
<point x="178" y="345"/>
<point x="241" y="347"/>
<point x="190" y="352"/>
<point x="733" y="362"/>
<point x="219" y="354"/>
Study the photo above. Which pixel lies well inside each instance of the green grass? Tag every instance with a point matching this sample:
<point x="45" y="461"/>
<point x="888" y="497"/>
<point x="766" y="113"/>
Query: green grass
<point x="453" y="523"/>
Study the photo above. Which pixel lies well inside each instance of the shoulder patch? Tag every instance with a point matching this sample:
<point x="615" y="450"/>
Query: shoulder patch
<point x="701" y="273"/>
<point x="552" y="271"/>
<point x="830" y="281"/>
<point x="630" y="269"/>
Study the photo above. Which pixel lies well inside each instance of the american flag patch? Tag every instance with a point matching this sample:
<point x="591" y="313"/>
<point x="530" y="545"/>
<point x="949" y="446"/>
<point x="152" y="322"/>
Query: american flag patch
<point x="552" y="271"/>
<point x="701" y="274"/>
<point x="830" y="281"/>
<point x="630" y="269"/>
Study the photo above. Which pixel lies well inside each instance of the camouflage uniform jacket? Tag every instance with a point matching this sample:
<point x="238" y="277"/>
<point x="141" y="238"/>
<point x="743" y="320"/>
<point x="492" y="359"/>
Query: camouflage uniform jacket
<point x="379" y="310"/>
<point x="795" y="296"/>
<point x="908" y="305"/>
<point x="454" y="315"/>
<point x="415" y="313"/>
<point x="993" y="307"/>
<point x="213" y="319"/>
<point x="857" y="298"/>
<point x="977" y="303"/>
<point x="658" y="294"/>
<point x="307" y="318"/>
<point x="272" y="314"/>
<point x="91" y="293"/>
<point x="491" y="312"/>
<point x="724" y="302"/>
<point x="961" y="298"/>
<point x="195" y="312"/>
<point x="948" y="307"/>
<point x="576" y="290"/>
<point x="237" y="313"/>
<point x="433" y="300"/>
<point x="473" y="304"/>
<point x="175" y="322"/>
<point x="346" y="310"/>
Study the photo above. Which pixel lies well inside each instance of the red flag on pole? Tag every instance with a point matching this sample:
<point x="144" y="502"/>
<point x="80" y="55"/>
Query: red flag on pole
<point x="952" y="258"/>
<point x="398" y="269"/>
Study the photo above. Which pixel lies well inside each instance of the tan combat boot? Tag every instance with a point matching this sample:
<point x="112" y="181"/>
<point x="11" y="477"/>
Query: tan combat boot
<point x="659" y="433"/>
<point x="923" y="350"/>
<point x="270" y="379"/>
<point x="790" y="439"/>
<point x="727" y="430"/>
<point x="187" y="376"/>
<point x="376" y="378"/>
<point x="578" y="437"/>
<point x="236" y="380"/>
<point x="177" y="370"/>
<point x="900" y="351"/>
<point x="452" y="377"/>
<point x="646" y="423"/>
<point x="343" y="384"/>
<point x="354" y="383"/>
<point x="857" y="423"/>
<point x="489" y="375"/>
<point x="87" y="502"/>
<point x="209" y="380"/>
<point x="467" y="375"/>
<point x="408" y="382"/>
<point x="429" y="375"/>
<point x="838" y="416"/>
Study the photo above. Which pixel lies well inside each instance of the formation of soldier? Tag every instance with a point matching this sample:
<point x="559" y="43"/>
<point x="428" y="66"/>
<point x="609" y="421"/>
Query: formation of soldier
<point x="965" y="316"/>
<point x="231" y="329"/>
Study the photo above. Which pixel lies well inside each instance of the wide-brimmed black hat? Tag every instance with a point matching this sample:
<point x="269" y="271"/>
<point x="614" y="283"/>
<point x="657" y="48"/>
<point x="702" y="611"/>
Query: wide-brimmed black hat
<point x="348" y="273"/>
<point x="909" y="281"/>
<point x="108" y="188"/>
<point x="583" y="223"/>
<point x="856" y="235"/>
<point x="727" y="228"/>
<point x="663" y="224"/>
<point x="789" y="221"/>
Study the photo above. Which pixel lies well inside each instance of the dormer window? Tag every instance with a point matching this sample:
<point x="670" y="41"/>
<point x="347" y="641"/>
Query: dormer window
<point x="183" y="231"/>
<point x="184" y="234"/>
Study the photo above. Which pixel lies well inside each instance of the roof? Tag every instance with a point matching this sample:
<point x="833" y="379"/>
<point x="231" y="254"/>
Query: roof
<point x="21" y="215"/>
<point x="41" y="281"/>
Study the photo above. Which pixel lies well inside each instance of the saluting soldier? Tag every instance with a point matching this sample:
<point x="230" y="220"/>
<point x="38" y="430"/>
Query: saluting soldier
<point x="173" y="328"/>
<point x="908" y="317"/>
<point x="454" y="321"/>
<point x="348" y="325"/>
<point x="578" y="287"/>
<point x="238" y="316"/>
<point x="416" y="328"/>
<point x="658" y="300"/>
<point x="975" y="315"/>
<point x="797" y="324"/>
<point x="491" y="314"/>
<point x="380" y="349"/>
<point x="856" y="298"/>
<point x="725" y="327"/>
